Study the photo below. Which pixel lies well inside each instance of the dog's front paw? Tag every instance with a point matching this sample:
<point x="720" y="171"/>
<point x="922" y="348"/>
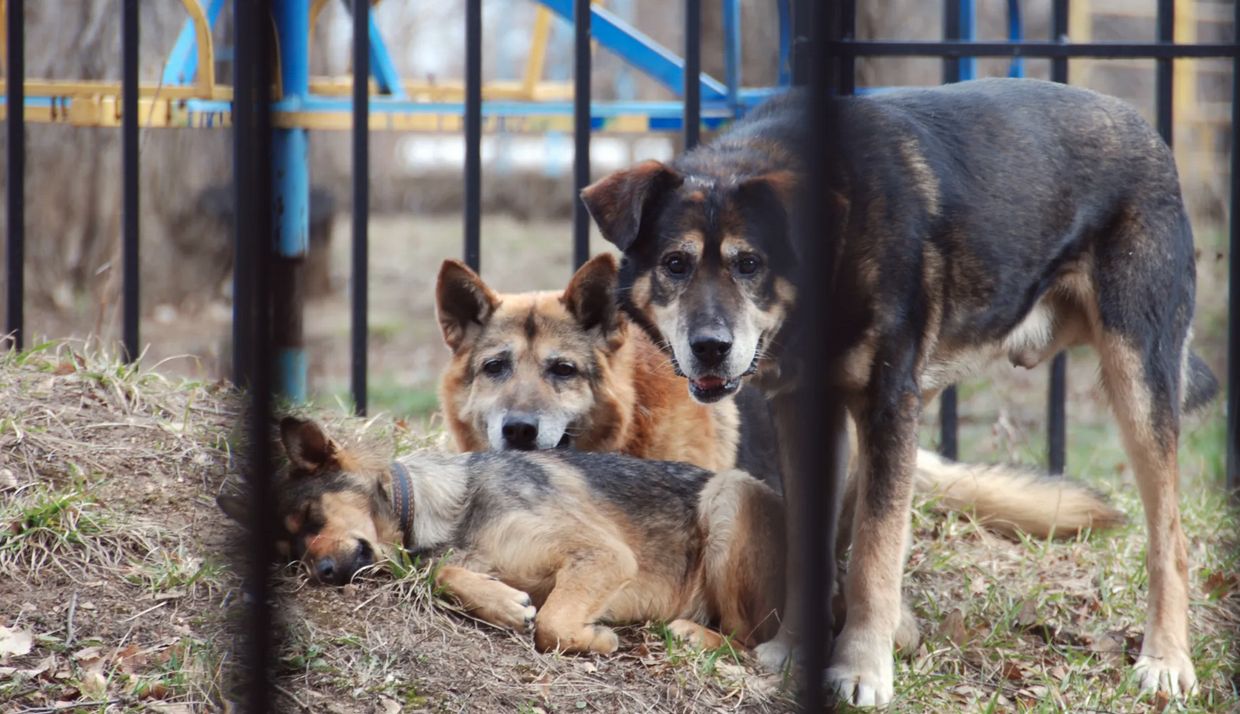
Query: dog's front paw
<point x="774" y="655"/>
<point x="862" y="672"/>
<point x="1171" y="673"/>
<point x="508" y="607"/>
<point x="695" y="635"/>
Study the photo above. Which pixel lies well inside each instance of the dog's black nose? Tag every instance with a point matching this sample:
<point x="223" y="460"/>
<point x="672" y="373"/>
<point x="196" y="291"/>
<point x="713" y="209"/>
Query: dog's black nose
<point x="325" y="570"/>
<point x="520" y="432"/>
<point x="711" y="347"/>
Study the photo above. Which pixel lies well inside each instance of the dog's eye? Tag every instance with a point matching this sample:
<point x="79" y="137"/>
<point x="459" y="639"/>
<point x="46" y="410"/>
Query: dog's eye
<point x="564" y="369"/>
<point x="495" y="366"/>
<point x="676" y="264"/>
<point x="748" y="264"/>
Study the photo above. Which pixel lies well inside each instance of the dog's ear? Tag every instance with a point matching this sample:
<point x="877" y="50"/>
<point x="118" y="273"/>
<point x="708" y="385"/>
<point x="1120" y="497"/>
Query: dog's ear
<point x="591" y="294"/>
<point x="235" y="507"/>
<point x="778" y="185"/>
<point x="463" y="302"/>
<point x="308" y="447"/>
<point x="617" y="202"/>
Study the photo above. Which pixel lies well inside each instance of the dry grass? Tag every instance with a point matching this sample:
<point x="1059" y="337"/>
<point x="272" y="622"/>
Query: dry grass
<point x="116" y="561"/>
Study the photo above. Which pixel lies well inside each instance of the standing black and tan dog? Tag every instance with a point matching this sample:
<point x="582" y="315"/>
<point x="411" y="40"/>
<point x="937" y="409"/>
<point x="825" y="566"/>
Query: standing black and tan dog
<point x="986" y="219"/>
<point x="560" y="542"/>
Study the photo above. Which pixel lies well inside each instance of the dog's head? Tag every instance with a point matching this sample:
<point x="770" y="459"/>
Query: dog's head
<point x="334" y="509"/>
<point x="708" y="262"/>
<point x="528" y="370"/>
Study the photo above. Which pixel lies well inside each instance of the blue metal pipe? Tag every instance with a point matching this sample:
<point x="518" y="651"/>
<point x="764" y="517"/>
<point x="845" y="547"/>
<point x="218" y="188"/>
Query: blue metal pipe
<point x="381" y="65"/>
<point x="1015" y="34"/>
<point x="291" y="189"/>
<point x="785" y="43"/>
<point x="638" y="49"/>
<point x="968" y="32"/>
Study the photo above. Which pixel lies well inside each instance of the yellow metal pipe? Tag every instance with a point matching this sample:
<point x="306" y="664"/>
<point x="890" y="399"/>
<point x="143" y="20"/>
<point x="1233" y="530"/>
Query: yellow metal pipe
<point x="538" y="50"/>
<point x="206" y="49"/>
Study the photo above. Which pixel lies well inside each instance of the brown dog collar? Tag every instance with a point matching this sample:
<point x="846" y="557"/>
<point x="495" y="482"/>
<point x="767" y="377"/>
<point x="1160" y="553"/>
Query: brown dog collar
<point x="402" y="498"/>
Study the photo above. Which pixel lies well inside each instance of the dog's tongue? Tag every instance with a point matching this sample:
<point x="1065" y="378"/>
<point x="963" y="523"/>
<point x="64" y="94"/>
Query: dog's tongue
<point x="708" y="383"/>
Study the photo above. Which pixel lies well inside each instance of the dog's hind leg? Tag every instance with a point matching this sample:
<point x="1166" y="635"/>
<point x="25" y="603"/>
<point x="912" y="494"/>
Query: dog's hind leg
<point x="743" y="556"/>
<point x="487" y="598"/>
<point x="1143" y="278"/>
<point x="1133" y="378"/>
<point x="568" y="620"/>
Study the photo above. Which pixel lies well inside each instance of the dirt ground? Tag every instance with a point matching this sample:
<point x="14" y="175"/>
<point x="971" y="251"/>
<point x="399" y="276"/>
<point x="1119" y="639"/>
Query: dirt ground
<point x="119" y="591"/>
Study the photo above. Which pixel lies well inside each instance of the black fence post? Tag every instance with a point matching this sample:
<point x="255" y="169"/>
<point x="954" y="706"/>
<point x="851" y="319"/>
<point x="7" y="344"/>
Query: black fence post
<point x="949" y="413"/>
<point x="581" y="130"/>
<point x="693" y="73"/>
<point x="131" y="306"/>
<point x="1163" y="75"/>
<point x="473" y="134"/>
<point x="1233" y="277"/>
<point x="1057" y="394"/>
<point x="15" y="173"/>
<point x="818" y="405"/>
<point x="255" y="235"/>
<point x="361" y="199"/>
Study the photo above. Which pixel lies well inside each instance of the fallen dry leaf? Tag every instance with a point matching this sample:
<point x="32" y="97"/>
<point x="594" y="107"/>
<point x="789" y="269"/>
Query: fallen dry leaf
<point x="952" y="628"/>
<point x="1220" y="585"/>
<point x="93" y="685"/>
<point x="130" y="659"/>
<point x="15" y="642"/>
<point x="1012" y="671"/>
<point x="1028" y="615"/>
<point x="44" y="666"/>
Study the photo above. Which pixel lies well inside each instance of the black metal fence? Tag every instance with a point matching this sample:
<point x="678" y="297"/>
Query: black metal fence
<point x="825" y="52"/>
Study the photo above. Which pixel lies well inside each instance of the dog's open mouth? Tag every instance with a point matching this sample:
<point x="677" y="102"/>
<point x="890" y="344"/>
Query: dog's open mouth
<point x="711" y="388"/>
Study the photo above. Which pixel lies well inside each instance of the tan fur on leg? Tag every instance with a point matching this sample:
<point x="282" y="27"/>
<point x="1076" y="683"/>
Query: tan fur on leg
<point x="1164" y="664"/>
<point x="487" y="599"/>
<point x="568" y="619"/>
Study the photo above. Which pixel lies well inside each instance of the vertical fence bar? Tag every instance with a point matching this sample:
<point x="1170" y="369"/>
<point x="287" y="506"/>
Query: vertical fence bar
<point x="129" y="159"/>
<point x="361" y="200"/>
<point x="951" y="31"/>
<point x="949" y="444"/>
<point x="581" y="130"/>
<point x="732" y="52"/>
<point x="1057" y="394"/>
<point x="1233" y="278"/>
<point x="800" y="49"/>
<point x="291" y="166"/>
<point x="254" y="229"/>
<point x="847" y="80"/>
<point x="693" y="73"/>
<point x="819" y="408"/>
<point x="473" y="133"/>
<point x="1163" y="74"/>
<point x="15" y="175"/>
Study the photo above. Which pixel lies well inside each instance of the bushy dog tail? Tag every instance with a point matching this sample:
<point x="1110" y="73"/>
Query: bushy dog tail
<point x="1200" y="384"/>
<point x="1012" y="500"/>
